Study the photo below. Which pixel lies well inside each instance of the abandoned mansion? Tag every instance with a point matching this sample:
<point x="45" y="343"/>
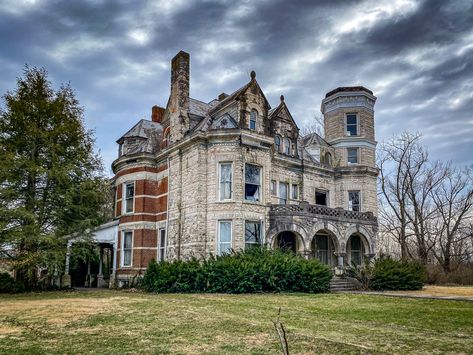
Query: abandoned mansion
<point x="202" y="178"/>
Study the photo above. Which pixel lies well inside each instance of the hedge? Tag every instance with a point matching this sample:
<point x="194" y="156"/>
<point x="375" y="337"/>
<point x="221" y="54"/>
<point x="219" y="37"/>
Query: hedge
<point x="249" y="271"/>
<point x="9" y="285"/>
<point x="391" y="274"/>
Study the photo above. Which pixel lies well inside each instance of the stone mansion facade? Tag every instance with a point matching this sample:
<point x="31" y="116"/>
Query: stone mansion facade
<point x="203" y="178"/>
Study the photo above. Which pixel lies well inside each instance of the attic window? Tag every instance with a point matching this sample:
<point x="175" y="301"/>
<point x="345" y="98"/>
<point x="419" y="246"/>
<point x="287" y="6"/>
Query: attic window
<point x="287" y="146"/>
<point x="253" y="116"/>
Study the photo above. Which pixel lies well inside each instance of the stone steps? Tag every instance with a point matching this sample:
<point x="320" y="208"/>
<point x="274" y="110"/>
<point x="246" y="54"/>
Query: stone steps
<point x="338" y="284"/>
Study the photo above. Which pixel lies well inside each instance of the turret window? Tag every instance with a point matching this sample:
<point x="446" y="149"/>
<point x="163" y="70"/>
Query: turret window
<point x="352" y="155"/>
<point x="129" y="197"/>
<point x="225" y="181"/>
<point x="354" y="203"/>
<point x="253" y="116"/>
<point x="352" y="124"/>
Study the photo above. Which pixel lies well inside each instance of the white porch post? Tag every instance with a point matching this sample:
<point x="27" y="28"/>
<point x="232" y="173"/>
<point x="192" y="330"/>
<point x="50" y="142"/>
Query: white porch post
<point x="66" y="278"/>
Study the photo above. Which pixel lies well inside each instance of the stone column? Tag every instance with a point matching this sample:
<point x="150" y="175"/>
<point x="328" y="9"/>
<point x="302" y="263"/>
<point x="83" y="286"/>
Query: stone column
<point x="113" y="276"/>
<point x="100" y="279"/>
<point x="66" y="278"/>
<point x="340" y="268"/>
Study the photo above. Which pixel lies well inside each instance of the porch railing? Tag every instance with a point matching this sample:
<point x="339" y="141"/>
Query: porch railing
<point x="322" y="211"/>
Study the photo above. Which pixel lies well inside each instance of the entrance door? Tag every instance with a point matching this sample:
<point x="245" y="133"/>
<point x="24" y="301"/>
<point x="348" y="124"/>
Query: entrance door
<point x="287" y="241"/>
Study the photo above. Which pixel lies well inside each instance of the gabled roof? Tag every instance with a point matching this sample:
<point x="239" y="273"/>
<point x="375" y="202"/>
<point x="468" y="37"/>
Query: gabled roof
<point x="314" y="139"/>
<point x="281" y="107"/>
<point x="198" y="108"/>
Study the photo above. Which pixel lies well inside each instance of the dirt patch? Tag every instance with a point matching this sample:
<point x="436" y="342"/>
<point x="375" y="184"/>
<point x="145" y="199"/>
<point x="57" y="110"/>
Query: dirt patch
<point x="443" y="291"/>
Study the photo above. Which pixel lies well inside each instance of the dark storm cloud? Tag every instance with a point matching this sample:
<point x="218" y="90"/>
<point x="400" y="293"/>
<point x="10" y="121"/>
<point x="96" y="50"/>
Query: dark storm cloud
<point x="416" y="56"/>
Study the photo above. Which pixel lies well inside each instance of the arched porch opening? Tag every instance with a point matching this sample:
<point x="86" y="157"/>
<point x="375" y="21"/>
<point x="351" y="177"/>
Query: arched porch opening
<point x="324" y="247"/>
<point x="356" y="248"/>
<point x="287" y="241"/>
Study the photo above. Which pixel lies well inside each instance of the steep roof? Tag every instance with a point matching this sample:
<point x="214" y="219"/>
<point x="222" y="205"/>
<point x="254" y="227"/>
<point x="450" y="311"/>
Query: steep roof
<point x="142" y="129"/>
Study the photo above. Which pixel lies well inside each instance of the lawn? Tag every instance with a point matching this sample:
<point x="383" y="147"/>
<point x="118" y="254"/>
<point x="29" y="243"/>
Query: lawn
<point x="123" y="322"/>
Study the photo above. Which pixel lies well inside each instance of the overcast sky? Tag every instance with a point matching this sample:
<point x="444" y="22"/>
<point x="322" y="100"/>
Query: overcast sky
<point x="416" y="56"/>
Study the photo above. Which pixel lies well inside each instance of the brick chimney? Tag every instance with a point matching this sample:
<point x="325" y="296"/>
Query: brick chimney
<point x="157" y="114"/>
<point x="179" y="100"/>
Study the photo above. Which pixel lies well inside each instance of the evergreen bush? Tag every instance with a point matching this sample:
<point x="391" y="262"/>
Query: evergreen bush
<point x="391" y="274"/>
<point x="249" y="271"/>
<point x="9" y="285"/>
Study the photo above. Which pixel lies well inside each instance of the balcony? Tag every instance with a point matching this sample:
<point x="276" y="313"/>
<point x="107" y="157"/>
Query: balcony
<point x="323" y="212"/>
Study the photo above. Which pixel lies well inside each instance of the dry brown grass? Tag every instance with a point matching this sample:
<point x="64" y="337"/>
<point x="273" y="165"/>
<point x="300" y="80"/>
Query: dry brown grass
<point x="442" y="291"/>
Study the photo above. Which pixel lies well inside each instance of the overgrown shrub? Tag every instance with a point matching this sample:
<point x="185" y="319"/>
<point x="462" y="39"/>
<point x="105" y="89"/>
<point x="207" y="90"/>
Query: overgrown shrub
<point x="9" y="285"/>
<point x="254" y="270"/>
<point x="391" y="274"/>
<point x="460" y="275"/>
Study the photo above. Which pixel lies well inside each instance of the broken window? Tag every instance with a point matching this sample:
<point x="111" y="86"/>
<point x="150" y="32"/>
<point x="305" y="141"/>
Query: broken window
<point x="162" y="245"/>
<point x="283" y="187"/>
<point x="252" y="182"/>
<point x="352" y="124"/>
<point x="127" y="248"/>
<point x="321" y="198"/>
<point x="225" y="181"/>
<point x="352" y="155"/>
<point x="354" y="201"/>
<point x="224" y="237"/>
<point x="252" y="234"/>
<point x="129" y="197"/>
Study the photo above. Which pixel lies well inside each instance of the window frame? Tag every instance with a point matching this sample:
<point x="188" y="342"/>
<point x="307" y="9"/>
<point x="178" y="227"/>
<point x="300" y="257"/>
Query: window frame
<point x="350" y="205"/>
<point x="274" y="188"/>
<point x="253" y="120"/>
<point x="219" y="242"/>
<point x="287" y="146"/>
<point x="220" y="164"/>
<point x="357" y="124"/>
<point x="278" y="146"/>
<point x="123" y="250"/>
<point x="320" y="191"/>
<point x="294" y="189"/>
<point x="256" y="222"/>
<point x="260" y="189"/>
<point x="161" y="248"/>
<point x="357" y="149"/>
<point x="283" y="201"/>
<point x="124" y="198"/>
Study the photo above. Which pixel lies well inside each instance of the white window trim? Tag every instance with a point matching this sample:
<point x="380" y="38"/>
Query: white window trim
<point x="218" y="252"/>
<point x="124" y="212"/>
<point x="220" y="199"/>
<point x="357" y="124"/>
<point x="359" y="197"/>
<point x="261" y="199"/>
<point x="122" y="249"/>
<point x="357" y="155"/>
<point x="159" y="244"/>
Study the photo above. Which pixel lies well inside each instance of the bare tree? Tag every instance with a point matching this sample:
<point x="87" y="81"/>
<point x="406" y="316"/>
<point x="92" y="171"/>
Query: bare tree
<point x="316" y="126"/>
<point x="453" y="199"/>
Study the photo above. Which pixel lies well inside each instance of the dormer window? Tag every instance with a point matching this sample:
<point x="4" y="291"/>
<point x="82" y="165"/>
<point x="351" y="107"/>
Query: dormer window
<point x="287" y="146"/>
<point x="277" y="143"/>
<point x="352" y="124"/>
<point x="253" y="116"/>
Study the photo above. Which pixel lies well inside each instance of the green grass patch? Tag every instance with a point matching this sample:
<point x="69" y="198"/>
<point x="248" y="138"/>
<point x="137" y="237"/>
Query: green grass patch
<point x="118" y="322"/>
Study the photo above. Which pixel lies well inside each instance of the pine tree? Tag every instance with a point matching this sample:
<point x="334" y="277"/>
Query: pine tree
<point x="51" y="182"/>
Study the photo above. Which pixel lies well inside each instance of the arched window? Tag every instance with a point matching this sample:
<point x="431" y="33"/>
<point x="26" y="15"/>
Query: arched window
<point x="253" y="116"/>
<point x="166" y="137"/>
<point x="328" y="159"/>
<point x="277" y="143"/>
<point x="287" y="146"/>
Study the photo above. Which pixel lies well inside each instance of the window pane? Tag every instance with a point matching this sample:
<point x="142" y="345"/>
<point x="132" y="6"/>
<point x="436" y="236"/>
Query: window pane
<point x="252" y="234"/>
<point x="225" y="181"/>
<point x="351" y="119"/>
<point x="127" y="240"/>
<point x="225" y="232"/>
<point x="129" y="205"/>
<point x="352" y="154"/>
<point x="295" y="190"/>
<point x="287" y="146"/>
<point x="162" y="239"/>
<point x="127" y="257"/>
<point x="321" y="198"/>
<point x="283" y="192"/>
<point x="354" y="200"/>
<point x="130" y="190"/>
<point x="252" y="174"/>
<point x="352" y="125"/>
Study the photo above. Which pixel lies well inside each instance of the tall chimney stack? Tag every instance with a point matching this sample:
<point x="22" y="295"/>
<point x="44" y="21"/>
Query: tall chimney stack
<point x="179" y="101"/>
